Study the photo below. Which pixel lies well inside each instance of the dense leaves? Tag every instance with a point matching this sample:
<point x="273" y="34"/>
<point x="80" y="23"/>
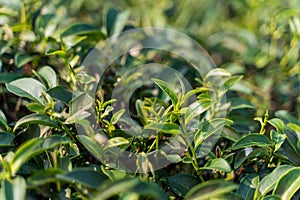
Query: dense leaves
<point x="79" y="122"/>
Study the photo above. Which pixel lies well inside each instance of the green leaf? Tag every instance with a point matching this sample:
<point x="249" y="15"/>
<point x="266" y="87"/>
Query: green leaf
<point x="116" y="141"/>
<point x="36" y="107"/>
<point x="34" y="147"/>
<point x="6" y="139"/>
<point x="43" y="177"/>
<point x="48" y="76"/>
<point x="277" y="123"/>
<point x="27" y="87"/>
<point x="277" y="138"/>
<point x="288" y="184"/>
<point x="250" y="140"/>
<point x="9" y="77"/>
<point x="230" y="81"/>
<point x="217" y="72"/>
<point x="92" y="146"/>
<point x="210" y="189"/>
<point x="115" y="21"/>
<point x="78" y="108"/>
<point x="182" y="183"/>
<point x="271" y="197"/>
<point x="230" y="133"/>
<point x="217" y="164"/>
<point x="87" y="177"/>
<point x="60" y="53"/>
<point x="60" y="93"/>
<point x="132" y="185"/>
<point x="115" y="118"/>
<point x="14" y="189"/>
<point x="286" y="117"/>
<point x="36" y="119"/>
<point x="267" y="184"/>
<point x="167" y="89"/>
<point x="79" y="29"/>
<point x="237" y="103"/>
<point x="3" y="120"/>
<point x="21" y="59"/>
<point x="255" y="153"/>
<point x="167" y="127"/>
<point x="247" y="186"/>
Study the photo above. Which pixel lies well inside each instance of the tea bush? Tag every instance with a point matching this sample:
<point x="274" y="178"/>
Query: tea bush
<point x="82" y="116"/>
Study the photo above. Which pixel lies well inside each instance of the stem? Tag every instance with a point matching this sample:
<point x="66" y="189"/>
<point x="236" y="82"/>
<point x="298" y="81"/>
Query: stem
<point x="66" y="129"/>
<point x="193" y="150"/>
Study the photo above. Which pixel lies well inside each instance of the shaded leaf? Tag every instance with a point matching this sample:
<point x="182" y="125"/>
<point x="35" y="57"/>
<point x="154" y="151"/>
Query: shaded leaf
<point x="210" y="189"/>
<point x="92" y="146"/>
<point x="34" y="147"/>
<point x="78" y="29"/>
<point x="252" y="140"/>
<point x="6" y="139"/>
<point x="247" y="186"/>
<point x="60" y="93"/>
<point x="132" y="185"/>
<point x="85" y="176"/>
<point x="43" y="177"/>
<point x="182" y="183"/>
<point x="9" y="77"/>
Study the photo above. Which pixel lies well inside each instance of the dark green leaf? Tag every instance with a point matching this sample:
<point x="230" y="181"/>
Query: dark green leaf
<point x="78" y="29"/>
<point x="34" y="147"/>
<point x="9" y="77"/>
<point x="60" y="93"/>
<point x="250" y="140"/>
<point x="210" y="189"/>
<point x="92" y="146"/>
<point x="247" y="186"/>
<point x="6" y="139"/>
<point x="85" y="176"/>
<point x="182" y="183"/>
<point x="43" y="177"/>
<point x="167" y="89"/>
<point x="132" y="185"/>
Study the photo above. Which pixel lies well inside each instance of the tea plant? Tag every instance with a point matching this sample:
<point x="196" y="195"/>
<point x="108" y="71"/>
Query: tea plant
<point x="170" y="140"/>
